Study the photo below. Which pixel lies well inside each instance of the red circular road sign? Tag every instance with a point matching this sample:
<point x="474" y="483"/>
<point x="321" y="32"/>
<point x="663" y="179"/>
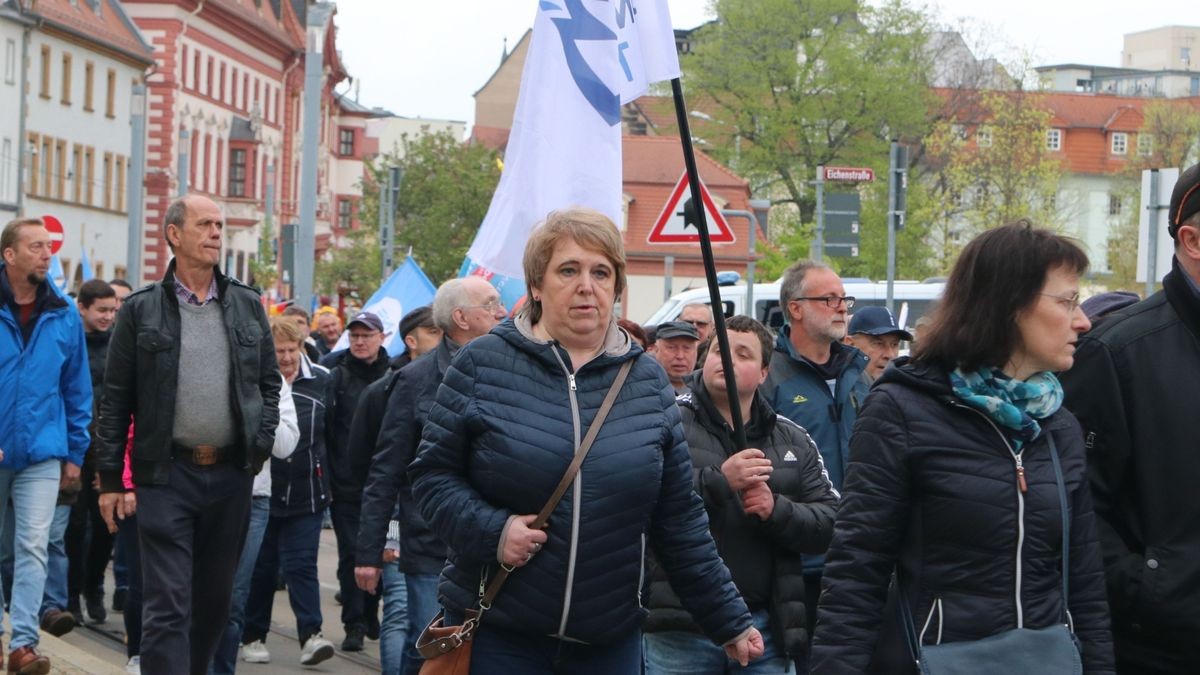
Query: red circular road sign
<point x="55" y="227"/>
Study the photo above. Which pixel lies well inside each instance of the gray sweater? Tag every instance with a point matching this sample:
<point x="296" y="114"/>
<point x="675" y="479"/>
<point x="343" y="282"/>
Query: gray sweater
<point x="203" y="409"/>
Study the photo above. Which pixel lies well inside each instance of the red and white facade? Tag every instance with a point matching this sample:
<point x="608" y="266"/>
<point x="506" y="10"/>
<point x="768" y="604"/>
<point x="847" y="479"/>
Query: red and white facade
<point x="230" y="73"/>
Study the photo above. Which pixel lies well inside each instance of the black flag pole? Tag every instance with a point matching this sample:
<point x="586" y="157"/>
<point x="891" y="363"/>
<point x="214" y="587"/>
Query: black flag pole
<point x="710" y="267"/>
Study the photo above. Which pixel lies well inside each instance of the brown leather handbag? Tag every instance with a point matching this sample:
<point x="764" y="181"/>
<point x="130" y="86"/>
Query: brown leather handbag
<point x="447" y="649"/>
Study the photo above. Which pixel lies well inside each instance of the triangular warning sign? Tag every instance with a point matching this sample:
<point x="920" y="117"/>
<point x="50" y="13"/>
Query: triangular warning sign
<point x="670" y="227"/>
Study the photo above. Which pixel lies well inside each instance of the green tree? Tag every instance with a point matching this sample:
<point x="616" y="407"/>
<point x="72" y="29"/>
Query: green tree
<point x="994" y="172"/>
<point x="445" y="190"/>
<point x="794" y="85"/>
<point x="263" y="267"/>
<point x="353" y="268"/>
<point x="1169" y="138"/>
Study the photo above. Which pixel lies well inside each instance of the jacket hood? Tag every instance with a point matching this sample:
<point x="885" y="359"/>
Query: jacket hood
<point x="49" y="296"/>
<point x="923" y="377"/>
<point x="843" y="355"/>
<point x="518" y="331"/>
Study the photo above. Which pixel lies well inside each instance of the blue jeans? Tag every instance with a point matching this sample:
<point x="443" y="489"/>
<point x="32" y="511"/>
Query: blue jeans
<point x="393" y="629"/>
<point x="55" y="595"/>
<point x="683" y="653"/>
<point x="225" y="660"/>
<point x="422" y="607"/>
<point x="502" y="652"/>
<point x="292" y="540"/>
<point x="34" y="491"/>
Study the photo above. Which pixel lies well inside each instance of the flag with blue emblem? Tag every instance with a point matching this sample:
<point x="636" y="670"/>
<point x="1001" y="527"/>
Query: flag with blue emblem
<point x="86" y="265"/>
<point x="586" y="59"/>
<point x="407" y="289"/>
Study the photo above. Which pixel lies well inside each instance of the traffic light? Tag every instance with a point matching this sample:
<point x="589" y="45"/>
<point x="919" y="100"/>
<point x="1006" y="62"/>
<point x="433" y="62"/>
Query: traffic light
<point x="899" y="185"/>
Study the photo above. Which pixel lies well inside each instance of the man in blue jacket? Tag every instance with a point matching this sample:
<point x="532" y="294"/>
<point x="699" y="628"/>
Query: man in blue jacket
<point x="815" y="380"/>
<point x="45" y="409"/>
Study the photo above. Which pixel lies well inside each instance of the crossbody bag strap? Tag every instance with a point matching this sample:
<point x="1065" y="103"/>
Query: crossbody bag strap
<point x="1066" y="531"/>
<point x="485" y="602"/>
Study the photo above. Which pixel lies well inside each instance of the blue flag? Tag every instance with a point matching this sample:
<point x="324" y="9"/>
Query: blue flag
<point x="407" y="289"/>
<point x="56" y="274"/>
<point x="86" y="264"/>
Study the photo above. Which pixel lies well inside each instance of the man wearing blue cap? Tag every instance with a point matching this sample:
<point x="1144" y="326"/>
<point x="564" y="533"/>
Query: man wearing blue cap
<point x="873" y="330"/>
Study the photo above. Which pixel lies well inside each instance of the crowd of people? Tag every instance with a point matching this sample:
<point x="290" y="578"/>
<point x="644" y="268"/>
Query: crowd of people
<point x="569" y="492"/>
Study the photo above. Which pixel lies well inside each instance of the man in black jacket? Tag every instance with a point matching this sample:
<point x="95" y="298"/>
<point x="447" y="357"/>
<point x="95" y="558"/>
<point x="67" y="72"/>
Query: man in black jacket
<point x="1142" y="454"/>
<point x="191" y="357"/>
<point x="463" y="309"/>
<point x="351" y="372"/>
<point x="766" y="505"/>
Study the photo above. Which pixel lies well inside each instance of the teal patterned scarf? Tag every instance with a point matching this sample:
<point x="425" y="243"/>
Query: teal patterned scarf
<point x="1012" y="404"/>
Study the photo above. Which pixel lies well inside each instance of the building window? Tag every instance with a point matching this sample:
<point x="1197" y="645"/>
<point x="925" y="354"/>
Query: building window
<point x="345" y="212"/>
<point x="1114" y="205"/>
<point x="7" y="164"/>
<point x="89" y="70"/>
<point x="66" y="79"/>
<point x="983" y="137"/>
<point x="208" y="78"/>
<point x="237" y="173"/>
<point x="107" y="185"/>
<point x="60" y="167"/>
<point x="1054" y="140"/>
<point x="10" y="61"/>
<point x="110" y="87"/>
<point x="1145" y="144"/>
<point x="1120" y="143"/>
<point x="77" y="179"/>
<point x="119" y="197"/>
<point x="88" y="175"/>
<point x="44" y="90"/>
<point x="47" y="152"/>
<point x="346" y="142"/>
<point x="34" y="163"/>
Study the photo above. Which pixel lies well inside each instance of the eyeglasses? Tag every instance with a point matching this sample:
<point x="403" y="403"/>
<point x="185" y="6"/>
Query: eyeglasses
<point x="492" y="307"/>
<point x="832" y="301"/>
<point x="1071" y="302"/>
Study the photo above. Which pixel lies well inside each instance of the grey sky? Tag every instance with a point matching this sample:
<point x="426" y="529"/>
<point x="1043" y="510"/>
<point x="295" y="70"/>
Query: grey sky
<point x="423" y="58"/>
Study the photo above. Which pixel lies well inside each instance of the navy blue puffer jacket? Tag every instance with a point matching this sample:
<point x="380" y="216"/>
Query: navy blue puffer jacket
<point x="507" y="419"/>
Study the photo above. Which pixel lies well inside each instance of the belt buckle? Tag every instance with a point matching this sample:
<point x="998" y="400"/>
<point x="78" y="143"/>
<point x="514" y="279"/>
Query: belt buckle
<point x="204" y="455"/>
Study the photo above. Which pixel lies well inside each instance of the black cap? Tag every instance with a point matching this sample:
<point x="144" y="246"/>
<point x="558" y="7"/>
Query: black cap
<point x="876" y="321"/>
<point x="1185" y="199"/>
<point x="1106" y="303"/>
<point x="676" y="329"/>
<point x="421" y="317"/>
<point x="368" y="319"/>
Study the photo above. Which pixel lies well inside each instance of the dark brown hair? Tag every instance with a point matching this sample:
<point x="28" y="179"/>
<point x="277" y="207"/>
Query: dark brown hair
<point x="998" y="275"/>
<point x="743" y="324"/>
<point x="93" y="290"/>
<point x="635" y="331"/>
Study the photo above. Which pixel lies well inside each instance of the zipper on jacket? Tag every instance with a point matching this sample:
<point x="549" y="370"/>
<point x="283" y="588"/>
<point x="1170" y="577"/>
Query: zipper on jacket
<point x="641" y="571"/>
<point x="1022" y="488"/>
<point x="576" y="496"/>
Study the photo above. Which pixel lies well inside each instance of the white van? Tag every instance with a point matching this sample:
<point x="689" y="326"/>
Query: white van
<point x="913" y="299"/>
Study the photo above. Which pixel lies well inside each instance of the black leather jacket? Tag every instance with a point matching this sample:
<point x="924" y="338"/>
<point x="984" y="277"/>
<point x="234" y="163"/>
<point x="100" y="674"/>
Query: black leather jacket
<point x="142" y="375"/>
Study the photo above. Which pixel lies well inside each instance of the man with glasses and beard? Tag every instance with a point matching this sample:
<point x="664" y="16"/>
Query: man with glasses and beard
<point x="815" y="380"/>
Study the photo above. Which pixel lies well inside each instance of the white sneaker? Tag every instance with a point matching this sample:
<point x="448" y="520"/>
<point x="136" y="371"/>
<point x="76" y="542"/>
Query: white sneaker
<point x="134" y="666"/>
<point x="316" y="649"/>
<point x="256" y="652"/>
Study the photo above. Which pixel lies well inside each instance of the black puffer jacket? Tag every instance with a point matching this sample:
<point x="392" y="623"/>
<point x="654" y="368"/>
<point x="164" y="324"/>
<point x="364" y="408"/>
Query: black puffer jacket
<point x="501" y="433"/>
<point x="142" y="375"/>
<point x="1134" y="387"/>
<point x="932" y="488"/>
<point x="764" y="555"/>
<point x="300" y="483"/>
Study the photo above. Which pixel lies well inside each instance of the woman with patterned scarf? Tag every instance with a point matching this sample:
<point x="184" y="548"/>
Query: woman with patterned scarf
<point x="951" y="503"/>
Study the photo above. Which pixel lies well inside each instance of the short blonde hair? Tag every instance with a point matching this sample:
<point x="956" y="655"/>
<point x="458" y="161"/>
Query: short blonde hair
<point x="285" y="329"/>
<point x="12" y="231"/>
<point x="588" y="228"/>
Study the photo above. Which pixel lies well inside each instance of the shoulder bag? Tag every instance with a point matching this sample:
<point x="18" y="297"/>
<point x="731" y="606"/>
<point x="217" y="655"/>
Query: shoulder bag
<point x="447" y="649"/>
<point x="1053" y="650"/>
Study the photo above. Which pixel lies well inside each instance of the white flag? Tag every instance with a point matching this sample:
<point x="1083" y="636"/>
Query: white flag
<point x="586" y="59"/>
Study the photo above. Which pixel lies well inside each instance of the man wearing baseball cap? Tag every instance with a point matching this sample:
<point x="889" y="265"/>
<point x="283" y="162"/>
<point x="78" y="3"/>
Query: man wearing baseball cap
<point x="1134" y="386"/>
<point x="874" y="332"/>
<point x="678" y="343"/>
<point x="350" y="373"/>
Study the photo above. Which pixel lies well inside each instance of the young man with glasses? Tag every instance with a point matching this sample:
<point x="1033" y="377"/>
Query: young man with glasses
<point x="815" y="380"/>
